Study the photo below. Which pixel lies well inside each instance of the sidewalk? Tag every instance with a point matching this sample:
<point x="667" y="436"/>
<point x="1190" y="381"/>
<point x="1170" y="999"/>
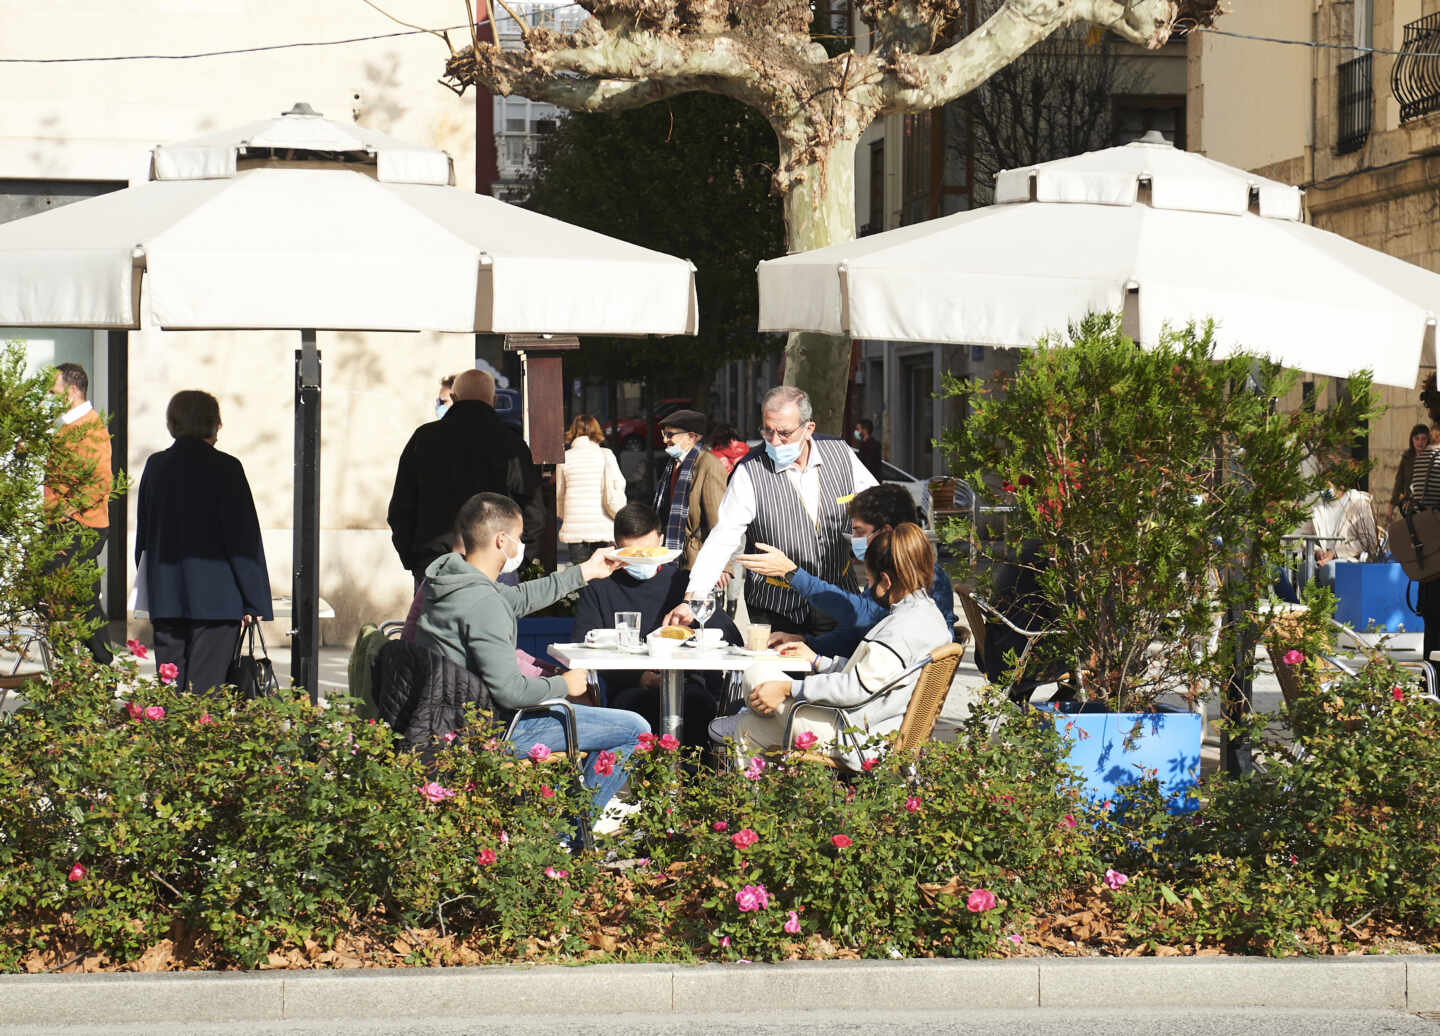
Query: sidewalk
<point x="1410" y="984"/>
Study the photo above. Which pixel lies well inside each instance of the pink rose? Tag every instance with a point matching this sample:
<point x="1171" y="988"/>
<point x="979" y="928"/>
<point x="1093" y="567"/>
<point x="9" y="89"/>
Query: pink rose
<point x="980" y="900"/>
<point x="605" y="763"/>
<point x="646" y="738"/>
<point x="644" y="747"/>
<point x="504" y="838"/>
<point x="1068" y="821"/>
<point x="1115" y="879"/>
<point x="154" y="712"/>
<point x="792" y="924"/>
<point x="485" y="857"/>
<point x="805" y="739"/>
<point x="435" y="792"/>
<point x="168" y="671"/>
<point x="1292" y="657"/>
<point x="756" y="768"/>
<point x="725" y="941"/>
<point x="912" y="804"/>
<point x="450" y="737"/>
<point x="869" y="764"/>
<point x="556" y="873"/>
<point x="547" y="792"/>
<point x="77" y="872"/>
<point x="669" y="742"/>
<point x="840" y="841"/>
<point x="206" y="719"/>
<point x="744" y="838"/>
<point x="719" y="825"/>
<point x="539" y="753"/>
<point x="137" y="649"/>
<point x="1397" y="693"/>
<point x="752" y="897"/>
<point x="134" y="711"/>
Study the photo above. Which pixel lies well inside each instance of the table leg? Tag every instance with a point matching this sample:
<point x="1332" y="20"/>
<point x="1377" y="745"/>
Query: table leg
<point x="672" y="701"/>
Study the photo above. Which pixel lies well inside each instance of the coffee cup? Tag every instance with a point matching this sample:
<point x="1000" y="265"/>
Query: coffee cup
<point x="602" y="638"/>
<point x="709" y="638"/>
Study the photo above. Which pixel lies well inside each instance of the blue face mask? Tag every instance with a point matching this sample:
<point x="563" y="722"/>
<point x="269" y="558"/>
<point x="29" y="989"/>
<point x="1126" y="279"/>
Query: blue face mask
<point x="858" y="545"/>
<point x="642" y="572"/>
<point x="785" y="454"/>
<point x="441" y="409"/>
<point x="676" y="451"/>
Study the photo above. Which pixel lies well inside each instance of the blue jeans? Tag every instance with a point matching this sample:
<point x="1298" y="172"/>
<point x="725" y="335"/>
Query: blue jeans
<point x="614" y="730"/>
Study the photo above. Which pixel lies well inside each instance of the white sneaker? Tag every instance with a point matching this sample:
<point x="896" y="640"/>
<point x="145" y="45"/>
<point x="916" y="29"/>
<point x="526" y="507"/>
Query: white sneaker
<point x="613" y="817"/>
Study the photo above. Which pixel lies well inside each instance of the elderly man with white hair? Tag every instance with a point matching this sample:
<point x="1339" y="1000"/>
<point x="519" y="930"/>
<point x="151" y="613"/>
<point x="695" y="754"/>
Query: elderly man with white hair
<point x="469" y="450"/>
<point x="791" y="497"/>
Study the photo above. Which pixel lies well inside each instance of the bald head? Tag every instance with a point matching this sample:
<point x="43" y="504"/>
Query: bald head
<point x="474" y="385"/>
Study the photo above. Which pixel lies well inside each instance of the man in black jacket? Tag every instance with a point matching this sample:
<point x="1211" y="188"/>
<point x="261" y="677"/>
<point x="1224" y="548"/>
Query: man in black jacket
<point x="470" y="450"/>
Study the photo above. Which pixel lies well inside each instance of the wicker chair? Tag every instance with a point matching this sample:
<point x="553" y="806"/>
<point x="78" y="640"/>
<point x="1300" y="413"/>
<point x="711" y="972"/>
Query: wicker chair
<point x="937" y="670"/>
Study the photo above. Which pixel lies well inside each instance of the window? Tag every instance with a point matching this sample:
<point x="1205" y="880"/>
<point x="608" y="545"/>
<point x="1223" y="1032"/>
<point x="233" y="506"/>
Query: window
<point x="877" y="187"/>
<point x="1137" y="114"/>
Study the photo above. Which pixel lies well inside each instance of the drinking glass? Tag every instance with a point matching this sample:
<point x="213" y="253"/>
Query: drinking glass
<point x="627" y="629"/>
<point x="702" y="608"/>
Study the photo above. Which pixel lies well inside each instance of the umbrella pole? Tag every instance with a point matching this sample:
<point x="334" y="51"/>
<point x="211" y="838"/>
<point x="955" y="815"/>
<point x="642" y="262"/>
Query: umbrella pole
<point x="305" y="589"/>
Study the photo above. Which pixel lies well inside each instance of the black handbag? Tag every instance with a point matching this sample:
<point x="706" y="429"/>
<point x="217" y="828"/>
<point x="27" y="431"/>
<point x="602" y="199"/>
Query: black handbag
<point x="1415" y="539"/>
<point x="250" y="674"/>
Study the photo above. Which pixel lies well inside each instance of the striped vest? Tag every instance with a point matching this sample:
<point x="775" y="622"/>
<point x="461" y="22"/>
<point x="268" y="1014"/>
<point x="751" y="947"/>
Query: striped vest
<point x="781" y="520"/>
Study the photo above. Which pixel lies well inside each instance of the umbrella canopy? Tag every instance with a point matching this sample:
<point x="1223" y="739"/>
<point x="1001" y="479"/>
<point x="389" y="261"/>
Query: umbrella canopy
<point x="1163" y="234"/>
<point x="305" y="223"/>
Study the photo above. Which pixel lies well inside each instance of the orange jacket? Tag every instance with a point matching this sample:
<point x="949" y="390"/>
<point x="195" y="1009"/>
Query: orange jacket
<point x="90" y="440"/>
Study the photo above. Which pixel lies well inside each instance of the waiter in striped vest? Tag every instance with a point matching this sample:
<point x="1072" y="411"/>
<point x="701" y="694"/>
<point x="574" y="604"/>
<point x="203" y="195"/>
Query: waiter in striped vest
<point x="791" y="496"/>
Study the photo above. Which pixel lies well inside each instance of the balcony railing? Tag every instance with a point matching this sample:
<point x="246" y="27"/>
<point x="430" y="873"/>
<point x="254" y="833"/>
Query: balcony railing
<point x="1415" y="79"/>
<point x="1356" y="101"/>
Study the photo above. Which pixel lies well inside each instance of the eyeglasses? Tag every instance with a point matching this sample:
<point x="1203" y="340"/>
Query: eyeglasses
<point x="668" y="435"/>
<point x="775" y="435"/>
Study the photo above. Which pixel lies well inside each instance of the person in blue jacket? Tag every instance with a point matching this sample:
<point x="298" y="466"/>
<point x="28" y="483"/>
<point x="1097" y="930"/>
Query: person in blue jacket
<point x="879" y="508"/>
<point x="198" y="547"/>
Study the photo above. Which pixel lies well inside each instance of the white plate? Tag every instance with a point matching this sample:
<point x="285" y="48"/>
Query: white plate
<point x="767" y="653"/>
<point x="657" y="560"/>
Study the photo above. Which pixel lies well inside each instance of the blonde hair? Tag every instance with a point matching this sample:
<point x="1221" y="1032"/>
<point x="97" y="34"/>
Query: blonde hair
<point x="905" y="555"/>
<point x="586" y="425"/>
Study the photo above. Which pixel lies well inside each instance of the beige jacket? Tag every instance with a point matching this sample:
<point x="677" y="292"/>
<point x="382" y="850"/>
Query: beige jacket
<point x="589" y="490"/>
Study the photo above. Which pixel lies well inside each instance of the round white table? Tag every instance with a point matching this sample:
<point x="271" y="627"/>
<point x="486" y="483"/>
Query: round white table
<point x="672" y="670"/>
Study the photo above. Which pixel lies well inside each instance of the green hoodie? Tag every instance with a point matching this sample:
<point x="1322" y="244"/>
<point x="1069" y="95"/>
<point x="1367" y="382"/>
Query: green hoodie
<point x="470" y="619"/>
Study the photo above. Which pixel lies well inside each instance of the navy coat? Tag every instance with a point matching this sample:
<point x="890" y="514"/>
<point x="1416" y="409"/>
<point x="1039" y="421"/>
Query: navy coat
<point x="200" y="536"/>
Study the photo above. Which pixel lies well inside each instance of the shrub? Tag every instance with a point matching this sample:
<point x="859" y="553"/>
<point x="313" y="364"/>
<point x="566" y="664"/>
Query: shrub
<point x="1138" y="476"/>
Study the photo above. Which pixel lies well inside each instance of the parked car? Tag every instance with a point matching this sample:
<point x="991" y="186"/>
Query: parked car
<point x="630" y="435"/>
<point x="510" y="406"/>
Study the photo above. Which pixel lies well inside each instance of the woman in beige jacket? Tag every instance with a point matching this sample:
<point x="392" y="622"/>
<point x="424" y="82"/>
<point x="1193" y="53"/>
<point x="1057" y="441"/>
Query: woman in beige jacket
<point x="589" y="489"/>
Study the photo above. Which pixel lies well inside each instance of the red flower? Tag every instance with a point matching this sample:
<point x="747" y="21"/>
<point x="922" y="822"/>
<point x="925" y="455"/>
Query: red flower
<point x="1397" y="693"/>
<point x="840" y="841"/>
<point x="719" y="825"/>
<point x="912" y="804"/>
<point x="980" y="900"/>
<point x="137" y="649"/>
<point x="1069" y="820"/>
<point x="134" y="711"/>
<point x="604" y="763"/>
<point x="870" y="764"/>
<point x="669" y="742"/>
<point x="547" y="792"/>
<point x="155" y="712"/>
<point x="644" y="747"/>
<point x="485" y="857"/>
<point x="805" y="739"/>
<point x="168" y="671"/>
<point x="744" y="838"/>
<point x="77" y="872"/>
<point x="206" y="719"/>
<point x="646" y="738"/>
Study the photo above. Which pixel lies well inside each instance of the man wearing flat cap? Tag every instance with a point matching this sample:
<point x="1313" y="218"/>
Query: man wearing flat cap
<point x="687" y="496"/>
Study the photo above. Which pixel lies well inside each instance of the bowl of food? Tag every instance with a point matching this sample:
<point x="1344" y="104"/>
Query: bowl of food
<point x="666" y="639"/>
<point x="645" y="555"/>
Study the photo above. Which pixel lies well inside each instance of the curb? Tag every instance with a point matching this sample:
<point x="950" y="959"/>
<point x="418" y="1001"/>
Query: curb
<point x="1392" y="983"/>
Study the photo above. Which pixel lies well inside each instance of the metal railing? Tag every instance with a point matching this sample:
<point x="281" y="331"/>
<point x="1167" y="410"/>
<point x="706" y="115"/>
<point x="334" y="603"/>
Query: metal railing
<point x="1356" y="99"/>
<point x="1415" y="79"/>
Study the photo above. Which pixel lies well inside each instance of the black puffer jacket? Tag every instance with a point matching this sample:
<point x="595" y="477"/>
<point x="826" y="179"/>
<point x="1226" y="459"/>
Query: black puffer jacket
<point x="423" y="695"/>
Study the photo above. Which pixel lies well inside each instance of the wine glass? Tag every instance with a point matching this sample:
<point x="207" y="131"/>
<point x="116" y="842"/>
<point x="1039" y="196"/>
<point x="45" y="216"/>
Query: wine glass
<point x="702" y="608"/>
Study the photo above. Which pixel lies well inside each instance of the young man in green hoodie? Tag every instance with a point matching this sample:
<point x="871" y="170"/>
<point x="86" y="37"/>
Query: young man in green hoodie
<point x="469" y="617"/>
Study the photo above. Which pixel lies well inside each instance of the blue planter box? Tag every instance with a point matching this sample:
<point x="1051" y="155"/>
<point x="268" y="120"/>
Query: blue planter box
<point x="534" y="636"/>
<point x="1114" y="749"/>
<point x="1371" y="596"/>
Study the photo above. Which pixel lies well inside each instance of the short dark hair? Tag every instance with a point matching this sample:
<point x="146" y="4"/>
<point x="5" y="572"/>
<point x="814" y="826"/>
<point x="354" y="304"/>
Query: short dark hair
<point x="866" y="425"/>
<point x="192" y="412"/>
<point x="448" y="381"/>
<point x="484" y="515"/>
<point x="635" y="520"/>
<point x="73" y="375"/>
<point x="885" y="504"/>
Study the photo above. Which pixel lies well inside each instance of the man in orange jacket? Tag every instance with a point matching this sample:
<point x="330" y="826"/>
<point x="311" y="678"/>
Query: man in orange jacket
<point x="83" y="433"/>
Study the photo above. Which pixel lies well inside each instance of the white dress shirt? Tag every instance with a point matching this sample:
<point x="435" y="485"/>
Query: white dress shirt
<point x="737" y="511"/>
<point x="76" y="412"/>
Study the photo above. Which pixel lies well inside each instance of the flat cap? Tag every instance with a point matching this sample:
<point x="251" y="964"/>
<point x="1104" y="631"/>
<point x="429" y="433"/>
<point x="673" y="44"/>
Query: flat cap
<point x="685" y="420"/>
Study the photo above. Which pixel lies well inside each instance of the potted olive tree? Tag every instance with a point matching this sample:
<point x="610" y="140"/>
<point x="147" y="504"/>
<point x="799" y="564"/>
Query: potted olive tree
<point x="1151" y="490"/>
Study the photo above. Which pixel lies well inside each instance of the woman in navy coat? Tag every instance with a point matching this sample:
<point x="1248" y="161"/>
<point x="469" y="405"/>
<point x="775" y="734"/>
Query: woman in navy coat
<point x="197" y="539"/>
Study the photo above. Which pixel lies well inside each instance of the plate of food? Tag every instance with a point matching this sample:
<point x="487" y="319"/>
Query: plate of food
<point x="645" y="555"/>
<point x="678" y="634"/>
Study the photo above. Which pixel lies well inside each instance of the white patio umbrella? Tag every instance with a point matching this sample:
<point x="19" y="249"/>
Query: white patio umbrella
<point x="1161" y="234"/>
<point x="299" y="222"/>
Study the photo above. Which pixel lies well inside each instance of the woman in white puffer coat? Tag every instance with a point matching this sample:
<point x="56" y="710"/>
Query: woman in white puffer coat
<point x="589" y="489"/>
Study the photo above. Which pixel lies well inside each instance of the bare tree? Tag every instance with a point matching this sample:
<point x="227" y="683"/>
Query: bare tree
<point x="762" y="53"/>
<point x="1054" y="101"/>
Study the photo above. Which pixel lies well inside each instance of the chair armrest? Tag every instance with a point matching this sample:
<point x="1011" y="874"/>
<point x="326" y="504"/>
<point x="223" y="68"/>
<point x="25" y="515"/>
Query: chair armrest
<point x="994" y="613"/>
